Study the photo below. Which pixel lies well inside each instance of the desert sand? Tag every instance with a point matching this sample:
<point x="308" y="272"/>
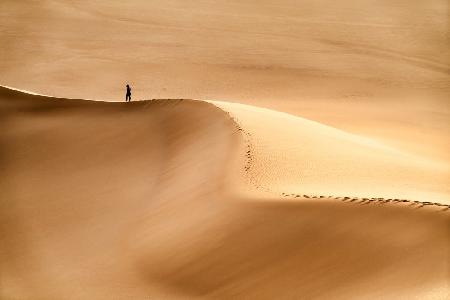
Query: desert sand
<point x="272" y="150"/>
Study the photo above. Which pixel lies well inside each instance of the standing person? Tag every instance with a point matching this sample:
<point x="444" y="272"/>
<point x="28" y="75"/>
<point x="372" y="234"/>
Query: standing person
<point x="128" y="95"/>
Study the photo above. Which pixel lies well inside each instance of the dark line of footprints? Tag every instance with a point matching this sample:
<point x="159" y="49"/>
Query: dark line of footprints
<point x="249" y="150"/>
<point x="365" y="201"/>
<point x="362" y="201"/>
<point x="247" y="140"/>
<point x="249" y="156"/>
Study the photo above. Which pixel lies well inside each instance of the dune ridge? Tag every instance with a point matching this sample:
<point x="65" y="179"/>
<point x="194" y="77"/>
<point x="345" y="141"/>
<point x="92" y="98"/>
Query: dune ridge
<point x="181" y="199"/>
<point x="232" y="110"/>
<point x="296" y="147"/>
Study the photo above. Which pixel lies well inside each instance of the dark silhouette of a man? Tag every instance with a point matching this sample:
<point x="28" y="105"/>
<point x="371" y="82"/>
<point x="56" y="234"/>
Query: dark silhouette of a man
<point x="128" y="95"/>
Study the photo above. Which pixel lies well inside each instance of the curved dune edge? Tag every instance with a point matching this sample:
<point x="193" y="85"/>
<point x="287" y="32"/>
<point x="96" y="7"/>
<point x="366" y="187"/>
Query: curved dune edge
<point x="289" y="161"/>
<point x="140" y="200"/>
<point x="233" y="114"/>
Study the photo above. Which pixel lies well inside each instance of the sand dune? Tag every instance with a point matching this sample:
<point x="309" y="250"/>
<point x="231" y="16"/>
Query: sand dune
<point x="290" y="153"/>
<point x="318" y="168"/>
<point x="181" y="199"/>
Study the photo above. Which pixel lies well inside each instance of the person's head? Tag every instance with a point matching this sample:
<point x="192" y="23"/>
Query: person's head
<point x="128" y="85"/>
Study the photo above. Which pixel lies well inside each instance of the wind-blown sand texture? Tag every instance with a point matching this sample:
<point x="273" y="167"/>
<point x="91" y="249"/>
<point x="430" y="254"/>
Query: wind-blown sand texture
<point x="314" y="166"/>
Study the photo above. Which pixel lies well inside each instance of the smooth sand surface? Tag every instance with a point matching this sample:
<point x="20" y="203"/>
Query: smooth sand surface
<point x="289" y="153"/>
<point x="181" y="198"/>
<point x="315" y="164"/>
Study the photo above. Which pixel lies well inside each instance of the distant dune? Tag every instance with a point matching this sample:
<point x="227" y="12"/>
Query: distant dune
<point x="182" y="199"/>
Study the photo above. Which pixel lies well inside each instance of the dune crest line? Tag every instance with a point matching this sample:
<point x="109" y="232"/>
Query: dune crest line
<point x="251" y="154"/>
<point x="249" y="164"/>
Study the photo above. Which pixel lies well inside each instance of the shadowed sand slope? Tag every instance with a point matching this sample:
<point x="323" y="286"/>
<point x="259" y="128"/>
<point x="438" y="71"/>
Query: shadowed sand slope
<point x="181" y="199"/>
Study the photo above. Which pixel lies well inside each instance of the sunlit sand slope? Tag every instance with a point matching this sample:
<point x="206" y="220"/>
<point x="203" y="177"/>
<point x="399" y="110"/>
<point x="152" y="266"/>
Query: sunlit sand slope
<point x="161" y="199"/>
<point x="291" y="154"/>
